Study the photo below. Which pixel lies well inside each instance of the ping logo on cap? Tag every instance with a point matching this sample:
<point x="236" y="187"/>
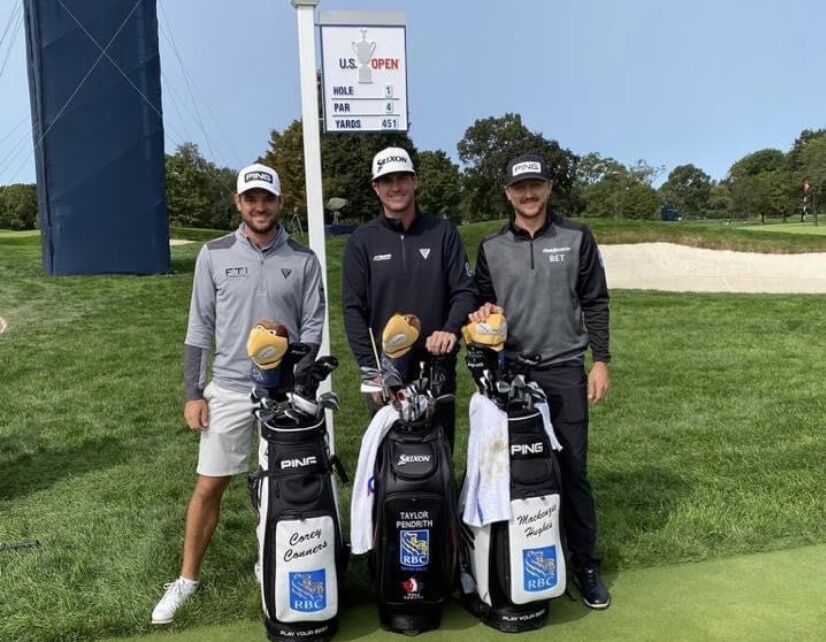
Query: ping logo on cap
<point x="258" y="176"/>
<point x="526" y="167"/>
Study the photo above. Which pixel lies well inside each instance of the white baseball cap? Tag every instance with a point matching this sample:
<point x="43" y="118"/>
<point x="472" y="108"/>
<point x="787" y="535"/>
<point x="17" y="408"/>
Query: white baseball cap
<point x="390" y="161"/>
<point x="258" y="176"/>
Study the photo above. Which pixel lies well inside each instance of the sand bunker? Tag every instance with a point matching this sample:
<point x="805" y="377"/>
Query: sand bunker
<point x="679" y="268"/>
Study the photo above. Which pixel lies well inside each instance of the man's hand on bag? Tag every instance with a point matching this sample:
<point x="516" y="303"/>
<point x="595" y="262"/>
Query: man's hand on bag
<point x="598" y="382"/>
<point x="196" y="414"/>
<point x="440" y="342"/>
<point x="484" y="312"/>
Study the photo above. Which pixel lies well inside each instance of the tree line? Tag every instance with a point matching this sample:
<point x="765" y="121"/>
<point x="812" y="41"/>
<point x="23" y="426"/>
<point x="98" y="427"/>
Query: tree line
<point x="764" y="183"/>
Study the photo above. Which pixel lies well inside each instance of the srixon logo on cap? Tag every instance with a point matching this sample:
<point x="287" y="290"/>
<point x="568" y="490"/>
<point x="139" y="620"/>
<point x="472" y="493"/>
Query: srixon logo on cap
<point x="258" y="176"/>
<point x="381" y="162"/>
<point x="526" y="167"/>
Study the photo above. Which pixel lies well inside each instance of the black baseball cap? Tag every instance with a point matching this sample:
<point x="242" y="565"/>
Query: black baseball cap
<point x="526" y="166"/>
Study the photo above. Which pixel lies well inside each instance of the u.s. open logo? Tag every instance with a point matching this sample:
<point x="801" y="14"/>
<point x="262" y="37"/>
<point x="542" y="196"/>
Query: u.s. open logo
<point x="414" y="548"/>
<point x="308" y="591"/>
<point x="540" y="568"/>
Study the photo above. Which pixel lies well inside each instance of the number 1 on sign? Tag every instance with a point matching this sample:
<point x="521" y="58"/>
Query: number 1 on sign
<point x="388" y="91"/>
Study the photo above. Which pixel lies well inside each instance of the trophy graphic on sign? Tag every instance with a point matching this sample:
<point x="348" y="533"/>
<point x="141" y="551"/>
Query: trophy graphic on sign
<point x="364" y="52"/>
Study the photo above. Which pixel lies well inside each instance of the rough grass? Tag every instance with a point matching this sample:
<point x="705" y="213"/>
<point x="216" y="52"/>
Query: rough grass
<point x="709" y="444"/>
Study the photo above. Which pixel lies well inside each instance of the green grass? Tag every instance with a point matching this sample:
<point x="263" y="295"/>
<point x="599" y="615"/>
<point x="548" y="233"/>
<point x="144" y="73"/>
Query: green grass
<point x="11" y="234"/>
<point x="769" y="596"/>
<point x="710" y="443"/>
<point x="792" y="228"/>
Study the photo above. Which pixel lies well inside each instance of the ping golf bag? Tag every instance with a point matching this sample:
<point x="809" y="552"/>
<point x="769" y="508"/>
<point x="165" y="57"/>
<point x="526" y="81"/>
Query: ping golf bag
<point x="301" y="551"/>
<point x="512" y="567"/>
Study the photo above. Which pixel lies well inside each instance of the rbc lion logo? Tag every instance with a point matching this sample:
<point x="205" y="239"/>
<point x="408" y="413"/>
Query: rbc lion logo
<point x="540" y="568"/>
<point x="414" y="548"/>
<point x="308" y="591"/>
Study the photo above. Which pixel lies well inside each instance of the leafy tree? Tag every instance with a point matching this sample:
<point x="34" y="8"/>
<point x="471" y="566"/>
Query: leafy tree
<point x="593" y="168"/>
<point x="719" y="201"/>
<point x="18" y="207"/>
<point x="198" y="193"/>
<point x="485" y="150"/>
<point x="620" y="195"/>
<point x="811" y="168"/>
<point x="796" y="162"/>
<point x="346" y="161"/>
<point x="608" y="189"/>
<point x="761" y="184"/>
<point x="764" y="160"/>
<point x="438" y="191"/>
<point x="644" y="172"/>
<point x="687" y="189"/>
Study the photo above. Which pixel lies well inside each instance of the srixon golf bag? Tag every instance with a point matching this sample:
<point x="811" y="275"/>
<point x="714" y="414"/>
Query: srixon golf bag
<point x="301" y="551"/>
<point x="512" y="568"/>
<point x="414" y="557"/>
<point x="413" y="562"/>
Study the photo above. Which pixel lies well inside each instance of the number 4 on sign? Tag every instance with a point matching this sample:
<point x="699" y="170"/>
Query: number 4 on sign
<point x="389" y="108"/>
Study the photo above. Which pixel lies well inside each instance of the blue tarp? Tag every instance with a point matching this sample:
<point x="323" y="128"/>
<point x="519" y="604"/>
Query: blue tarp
<point x="94" y="81"/>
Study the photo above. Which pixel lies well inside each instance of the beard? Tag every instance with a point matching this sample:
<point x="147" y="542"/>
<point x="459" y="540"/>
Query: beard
<point x="259" y="227"/>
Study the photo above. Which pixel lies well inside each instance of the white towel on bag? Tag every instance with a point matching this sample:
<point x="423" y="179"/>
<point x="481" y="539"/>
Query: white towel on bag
<point x="361" y="506"/>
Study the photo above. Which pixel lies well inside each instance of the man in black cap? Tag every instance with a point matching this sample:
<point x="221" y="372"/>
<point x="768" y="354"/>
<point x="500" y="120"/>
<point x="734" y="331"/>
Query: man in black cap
<point x="545" y="274"/>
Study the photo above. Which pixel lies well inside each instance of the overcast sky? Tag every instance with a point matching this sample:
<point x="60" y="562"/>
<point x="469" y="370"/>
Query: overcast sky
<point x="703" y="82"/>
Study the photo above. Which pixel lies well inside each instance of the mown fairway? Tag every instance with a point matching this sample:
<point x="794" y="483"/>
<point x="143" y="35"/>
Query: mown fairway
<point x="710" y="444"/>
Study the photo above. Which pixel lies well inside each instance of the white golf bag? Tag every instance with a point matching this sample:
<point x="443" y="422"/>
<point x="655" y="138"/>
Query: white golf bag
<point x="301" y="551"/>
<point x="513" y="564"/>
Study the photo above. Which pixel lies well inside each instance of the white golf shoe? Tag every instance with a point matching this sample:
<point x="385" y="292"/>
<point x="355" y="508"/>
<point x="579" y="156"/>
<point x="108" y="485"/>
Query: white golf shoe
<point x="177" y="593"/>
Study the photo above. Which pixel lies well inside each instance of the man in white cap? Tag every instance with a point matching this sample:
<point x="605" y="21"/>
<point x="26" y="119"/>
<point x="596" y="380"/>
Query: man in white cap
<point x="406" y="261"/>
<point x="256" y="272"/>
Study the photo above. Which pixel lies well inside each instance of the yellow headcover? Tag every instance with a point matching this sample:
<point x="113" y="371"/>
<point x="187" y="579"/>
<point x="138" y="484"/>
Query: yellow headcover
<point x="267" y="344"/>
<point x="492" y="333"/>
<point x="400" y="333"/>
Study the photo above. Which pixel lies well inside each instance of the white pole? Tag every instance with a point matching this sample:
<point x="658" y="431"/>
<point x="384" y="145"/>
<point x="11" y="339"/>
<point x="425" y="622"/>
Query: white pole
<point x="305" y="13"/>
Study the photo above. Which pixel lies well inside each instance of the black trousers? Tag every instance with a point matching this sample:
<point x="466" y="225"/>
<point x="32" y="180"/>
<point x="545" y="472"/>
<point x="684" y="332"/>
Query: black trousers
<point x="567" y="389"/>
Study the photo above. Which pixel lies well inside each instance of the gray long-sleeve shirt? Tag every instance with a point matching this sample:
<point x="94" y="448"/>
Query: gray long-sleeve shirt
<point x="237" y="284"/>
<point x="553" y="289"/>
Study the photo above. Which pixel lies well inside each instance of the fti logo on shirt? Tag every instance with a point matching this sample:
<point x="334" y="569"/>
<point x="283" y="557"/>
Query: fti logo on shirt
<point x="235" y="272"/>
<point x="382" y="257"/>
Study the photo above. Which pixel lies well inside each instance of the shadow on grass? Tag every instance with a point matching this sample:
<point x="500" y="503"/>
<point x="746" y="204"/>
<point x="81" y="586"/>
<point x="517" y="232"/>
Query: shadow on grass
<point x="634" y="503"/>
<point x="31" y="472"/>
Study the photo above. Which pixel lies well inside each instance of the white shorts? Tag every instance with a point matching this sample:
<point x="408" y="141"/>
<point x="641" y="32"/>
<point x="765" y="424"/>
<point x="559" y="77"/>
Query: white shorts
<point x="226" y="443"/>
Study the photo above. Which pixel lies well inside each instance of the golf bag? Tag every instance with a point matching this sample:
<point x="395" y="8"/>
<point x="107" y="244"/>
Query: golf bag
<point x="413" y="560"/>
<point x="512" y="568"/>
<point x="301" y="551"/>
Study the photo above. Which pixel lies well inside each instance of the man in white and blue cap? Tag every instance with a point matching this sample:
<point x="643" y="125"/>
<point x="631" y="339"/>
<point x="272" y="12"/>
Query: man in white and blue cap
<point x="255" y="273"/>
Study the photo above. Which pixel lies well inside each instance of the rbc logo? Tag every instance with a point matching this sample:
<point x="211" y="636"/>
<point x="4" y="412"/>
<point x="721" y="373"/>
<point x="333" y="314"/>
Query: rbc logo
<point x="540" y="569"/>
<point x="308" y="591"/>
<point x="414" y="548"/>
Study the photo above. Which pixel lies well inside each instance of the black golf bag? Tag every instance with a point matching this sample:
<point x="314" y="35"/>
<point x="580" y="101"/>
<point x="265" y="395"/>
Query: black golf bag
<point x="301" y="551"/>
<point x="511" y="569"/>
<point x="414" y="558"/>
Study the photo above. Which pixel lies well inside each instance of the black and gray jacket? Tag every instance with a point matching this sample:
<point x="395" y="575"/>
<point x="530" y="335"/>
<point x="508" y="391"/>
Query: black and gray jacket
<point x="423" y="270"/>
<point x="552" y="287"/>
